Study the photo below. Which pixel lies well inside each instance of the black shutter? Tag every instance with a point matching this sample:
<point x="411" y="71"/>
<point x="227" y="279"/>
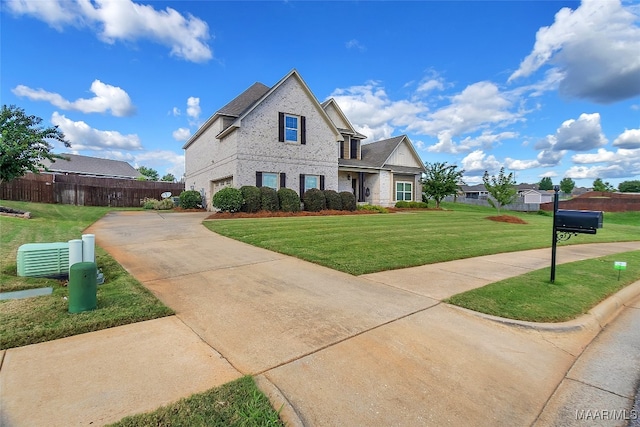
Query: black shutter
<point x="303" y="130"/>
<point x="258" y="179"/>
<point x="283" y="180"/>
<point x="301" y="185"/>
<point x="322" y="182"/>
<point x="281" y="127"/>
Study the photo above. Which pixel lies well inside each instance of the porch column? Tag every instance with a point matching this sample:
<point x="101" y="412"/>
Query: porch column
<point x="361" y="189"/>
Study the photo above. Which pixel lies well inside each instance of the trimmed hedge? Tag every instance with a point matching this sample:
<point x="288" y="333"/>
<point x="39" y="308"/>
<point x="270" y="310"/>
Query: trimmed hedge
<point x="314" y="200"/>
<point x="252" y="198"/>
<point x="412" y="205"/>
<point x="289" y="200"/>
<point x="229" y="199"/>
<point x="333" y="200"/>
<point x="269" y="199"/>
<point x="190" y="199"/>
<point x="348" y="200"/>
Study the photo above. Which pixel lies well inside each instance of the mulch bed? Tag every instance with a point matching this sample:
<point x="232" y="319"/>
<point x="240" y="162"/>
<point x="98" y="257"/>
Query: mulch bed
<point x="507" y="218"/>
<point x="269" y="214"/>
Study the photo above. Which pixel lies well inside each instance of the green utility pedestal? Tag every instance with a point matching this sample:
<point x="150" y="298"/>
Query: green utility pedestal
<point x="83" y="287"/>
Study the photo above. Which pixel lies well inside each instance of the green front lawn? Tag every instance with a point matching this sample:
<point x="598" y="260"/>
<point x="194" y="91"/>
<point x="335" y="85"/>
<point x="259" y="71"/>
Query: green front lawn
<point x="121" y="300"/>
<point x="579" y="286"/>
<point x="362" y="244"/>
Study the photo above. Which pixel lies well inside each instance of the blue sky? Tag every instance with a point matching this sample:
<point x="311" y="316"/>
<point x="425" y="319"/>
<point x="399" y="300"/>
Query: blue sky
<point x="543" y="88"/>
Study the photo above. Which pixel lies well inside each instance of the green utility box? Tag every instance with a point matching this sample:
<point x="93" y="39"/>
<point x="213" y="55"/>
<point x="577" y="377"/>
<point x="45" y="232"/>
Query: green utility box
<point x="82" y="287"/>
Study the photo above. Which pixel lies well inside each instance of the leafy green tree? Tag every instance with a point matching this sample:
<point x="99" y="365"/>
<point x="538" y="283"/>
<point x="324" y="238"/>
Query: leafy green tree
<point x="545" y="184"/>
<point x="149" y="173"/>
<point x="441" y="180"/>
<point x="169" y="178"/>
<point x="629" y="186"/>
<point x="599" y="185"/>
<point x="501" y="188"/>
<point x="567" y="185"/>
<point x="24" y="144"/>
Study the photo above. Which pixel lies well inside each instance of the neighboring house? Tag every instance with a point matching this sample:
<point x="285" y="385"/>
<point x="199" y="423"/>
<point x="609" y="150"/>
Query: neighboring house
<point x="477" y="191"/>
<point x="281" y="136"/>
<point x="537" y="196"/>
<point x="91" y="166"/>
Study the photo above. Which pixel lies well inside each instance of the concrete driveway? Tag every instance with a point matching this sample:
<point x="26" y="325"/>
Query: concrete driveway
<point x="378" y="349"/>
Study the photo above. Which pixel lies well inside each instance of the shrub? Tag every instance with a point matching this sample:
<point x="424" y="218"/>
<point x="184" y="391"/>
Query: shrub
<point x="348" y="200"/>
<point x="269" y="199"/>
<point x="149" y="203"/>
<point x="411" y="205"/>
<point x="289" y="200"/>
<point x="333" y="200"/>
<point x="229" y="199"/>
<point x="164" y="205"/>
<point x="314" y="200"/>
<point x="251" y="198"/>
<point x="190" y="199"/>
<point x="374" y="208"/>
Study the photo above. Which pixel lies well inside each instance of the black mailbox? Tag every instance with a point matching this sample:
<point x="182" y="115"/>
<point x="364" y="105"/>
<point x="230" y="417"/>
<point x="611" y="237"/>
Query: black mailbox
<point x="578" y="221"/>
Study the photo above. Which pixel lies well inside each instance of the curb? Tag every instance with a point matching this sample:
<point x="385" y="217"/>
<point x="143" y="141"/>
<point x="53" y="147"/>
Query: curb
<point x="287" y="413"/>
<point x="596" y="318"/>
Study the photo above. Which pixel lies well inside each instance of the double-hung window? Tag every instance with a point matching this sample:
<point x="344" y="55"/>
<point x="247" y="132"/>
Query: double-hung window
<point x="404" y="191"/>
<point x="270" y="180"/>
<point x="308" y="182"/>
<point x="292" y="128"/>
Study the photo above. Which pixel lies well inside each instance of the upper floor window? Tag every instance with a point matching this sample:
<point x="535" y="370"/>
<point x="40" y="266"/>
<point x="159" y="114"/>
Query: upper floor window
<point x="292" y="128"/>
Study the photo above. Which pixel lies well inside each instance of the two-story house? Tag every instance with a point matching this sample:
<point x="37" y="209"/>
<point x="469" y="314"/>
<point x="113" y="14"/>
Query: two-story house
<point x="281" y="136"/>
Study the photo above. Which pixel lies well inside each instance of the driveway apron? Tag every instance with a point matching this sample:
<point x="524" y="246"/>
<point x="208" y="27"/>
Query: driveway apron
<point x="379" y="349"/>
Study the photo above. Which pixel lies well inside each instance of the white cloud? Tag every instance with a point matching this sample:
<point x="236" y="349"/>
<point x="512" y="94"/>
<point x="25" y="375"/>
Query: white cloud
<point x="193" y="107"/>
<point x="108" y="98"/>
<point x="124" y="20"/>
<point x="181" y="134"/>
<point x="583" y="172"/>
<point x="371" y="111"/>
<point x="549" y="158"/>
<point x="478" y="106"/>
<point x="84" y="137"/>
<point x="477" y="162"/>
<point x="601" y="156"/>
<point x="175" y="111"/>
<point x="630" y="139"/>
<point x="580" y="135"/>
<point x="355" y="44"/>
<point x="485" y="140"/>
<point x="595" y="47"/>
<point x="520" y="165"/>
<point x="548" y="174"/>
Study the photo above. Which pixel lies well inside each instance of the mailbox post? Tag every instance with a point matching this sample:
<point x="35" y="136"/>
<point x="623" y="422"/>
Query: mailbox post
<point x="567" y="223"/>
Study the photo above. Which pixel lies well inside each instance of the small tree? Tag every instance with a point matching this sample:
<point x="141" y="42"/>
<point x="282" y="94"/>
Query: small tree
<point x="567" y="185"/>
<point x="150" y="174"/>
<point x="169" y="178"/>
<point x="545" y="184"/>
<point x="24" y="144"/>
<point x="501" y="188"/>
<point x="441" y="180"/>
<point x="629" y="186"/>
<point x="599" y="185"/>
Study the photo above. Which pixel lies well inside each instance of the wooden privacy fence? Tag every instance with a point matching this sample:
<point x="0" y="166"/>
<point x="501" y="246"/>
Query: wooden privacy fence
<point x="599" y="201"/>
<point x="84" y="190"/>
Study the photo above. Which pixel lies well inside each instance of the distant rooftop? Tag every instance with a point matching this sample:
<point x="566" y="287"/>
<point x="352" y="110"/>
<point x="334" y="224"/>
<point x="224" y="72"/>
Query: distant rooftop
<point x="92" y="166"/>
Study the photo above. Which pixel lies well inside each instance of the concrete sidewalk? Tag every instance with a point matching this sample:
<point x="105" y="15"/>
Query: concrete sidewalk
<point x="379" y="349"/>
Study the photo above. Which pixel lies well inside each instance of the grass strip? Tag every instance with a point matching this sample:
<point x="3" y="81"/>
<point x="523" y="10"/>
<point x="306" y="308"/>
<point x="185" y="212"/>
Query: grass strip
<point x="579" y="286"/>
<point x="120" y="300"/>
<point x="362" y="244"/>
<point x="238" y="403"/>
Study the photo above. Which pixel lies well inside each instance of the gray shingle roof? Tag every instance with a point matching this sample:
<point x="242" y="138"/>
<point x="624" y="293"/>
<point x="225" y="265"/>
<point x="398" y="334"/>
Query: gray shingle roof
<point x="375" y="154"/>
<point x="95" y="166"/>
<point x="243" y="101"/>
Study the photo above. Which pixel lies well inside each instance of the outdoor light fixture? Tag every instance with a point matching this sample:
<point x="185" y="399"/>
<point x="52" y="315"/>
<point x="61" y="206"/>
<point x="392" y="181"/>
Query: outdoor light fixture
<point x="349" y="177"/>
